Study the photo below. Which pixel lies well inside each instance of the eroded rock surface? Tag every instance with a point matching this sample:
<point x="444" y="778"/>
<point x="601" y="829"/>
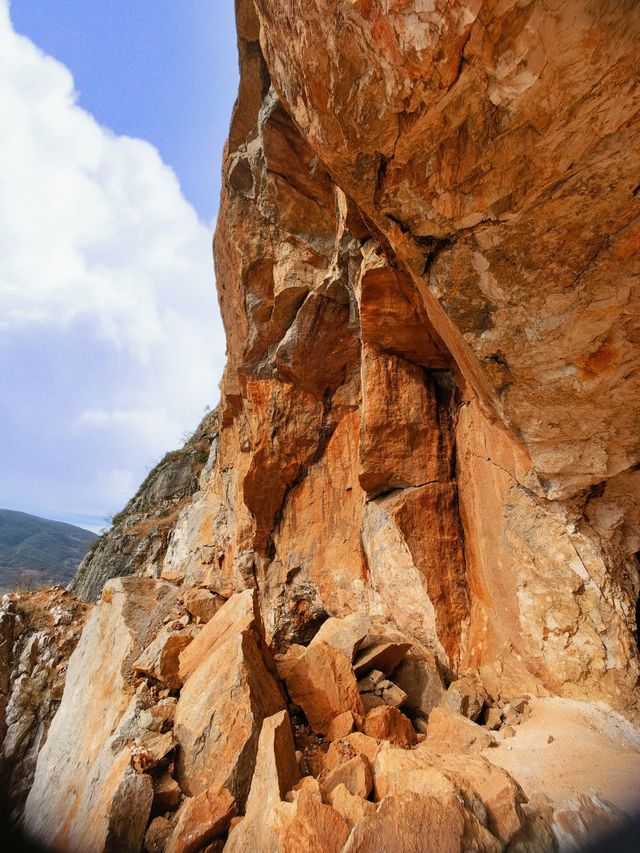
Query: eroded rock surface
<point x="137" y="541"/>
<point x="38" y="633"/>
<point x="416" y="530"/>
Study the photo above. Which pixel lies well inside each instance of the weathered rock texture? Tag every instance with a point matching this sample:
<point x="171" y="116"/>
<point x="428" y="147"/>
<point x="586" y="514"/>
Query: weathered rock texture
<point x="137" y="540"/>
<point x="38" y="633"/>
<point x="426" y="260"/>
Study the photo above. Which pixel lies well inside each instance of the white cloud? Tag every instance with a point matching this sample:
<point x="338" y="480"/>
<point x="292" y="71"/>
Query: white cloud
<point x="102" y="257"/>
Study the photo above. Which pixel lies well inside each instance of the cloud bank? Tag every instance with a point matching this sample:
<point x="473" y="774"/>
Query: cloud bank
<point x="110" y="339"/>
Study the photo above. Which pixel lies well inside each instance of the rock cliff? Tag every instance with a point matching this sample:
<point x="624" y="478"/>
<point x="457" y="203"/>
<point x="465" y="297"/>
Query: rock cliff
<point x="396" y="609"/>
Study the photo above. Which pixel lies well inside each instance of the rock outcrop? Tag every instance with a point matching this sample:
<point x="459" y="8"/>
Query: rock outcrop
<point x="402" y="591"/>
<point x="38" y="633"/>
<point x="136" y="542"/>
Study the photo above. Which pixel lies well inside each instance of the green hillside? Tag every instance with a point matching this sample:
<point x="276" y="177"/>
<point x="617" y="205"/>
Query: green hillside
<point x="36" y="551"/>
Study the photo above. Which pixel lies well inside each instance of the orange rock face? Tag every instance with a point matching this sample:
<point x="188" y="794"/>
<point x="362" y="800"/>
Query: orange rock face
<point x="427" y="266"/>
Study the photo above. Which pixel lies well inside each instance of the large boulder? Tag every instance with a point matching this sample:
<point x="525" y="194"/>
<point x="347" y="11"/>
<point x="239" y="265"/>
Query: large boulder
<point x="321" y="681"/>
<point x="226" y="696"/>
<point x="86" y="794"/>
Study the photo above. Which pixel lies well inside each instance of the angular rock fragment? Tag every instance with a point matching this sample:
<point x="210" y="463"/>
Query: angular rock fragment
<point x="201" y="819"/>
<point x="370" y="682"/>
<point x="354" y="774"/>
<point x="160" y="660"/>
<point x="159" y="717"/>
<point x="449" y="731"/>
<point x="346" y="634"/>
<point x="387" y="723"/>
<point x="236" y="615"/>
<point x="371" y="701"/>
<point x="166" y="793"/>
<point x="418" y="676"/>
<point x="384" y="656"/>
<point x="493" y="719"/>
<point x="308" y="786"/>
<point x="516" y="711"/>
<point x="228" y="692"/>
<point x="342" y="750"/>
<point x="202" y="604"/>
<point x="322" y="683"/>
<point x="157" y="835"/>
<point x="341" y="726"/>
<point x="276" y="772"/>
<point x="86" y="794"/>
<point x="465" y="696"/>
<point x="392" y="694"/>
<point x="149" y="750"/>
<point x="352" y="808"/>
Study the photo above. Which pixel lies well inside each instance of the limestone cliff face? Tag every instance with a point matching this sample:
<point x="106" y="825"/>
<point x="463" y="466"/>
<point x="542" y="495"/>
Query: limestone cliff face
<point x="422" y="495"/>
<point x="427" y="267"/>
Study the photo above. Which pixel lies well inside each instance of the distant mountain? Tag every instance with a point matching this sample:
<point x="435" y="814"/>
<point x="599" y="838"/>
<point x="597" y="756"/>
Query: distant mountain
<point x="36" y="551"/>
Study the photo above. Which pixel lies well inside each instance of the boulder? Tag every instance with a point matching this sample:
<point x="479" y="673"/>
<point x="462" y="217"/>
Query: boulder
<point x="388" y="723"/>
<point x="419" y="677"/>
<point x="276" y="772"/>
<point x="307" y="824"/>
<point x="322" y="683"/>
<point x="237" y="614"/>
<point x="157" y="835"/>
<point x="341" y="726"/>
<point x="85" y="791"/>
<point x="491" y="794"/>
<point x="451" y="732"/>
<point x="354" y="774"/>
<point x="228" y="692"/>
<point x="384" y="656"/>
<point x="202" y="604"/>
<point x="501" y="796"/>
<point x="352" y="808"/>
<point x="396" y="770"/>
<point x="409" y="822"/>
<point x="346" y="634"/>
<point x="201" y="819"/>
<point x="466" y="696"/>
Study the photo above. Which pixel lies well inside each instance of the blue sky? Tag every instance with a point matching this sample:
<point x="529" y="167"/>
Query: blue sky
<point x="163" y="70"/>
<point x="115" y="115"/>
